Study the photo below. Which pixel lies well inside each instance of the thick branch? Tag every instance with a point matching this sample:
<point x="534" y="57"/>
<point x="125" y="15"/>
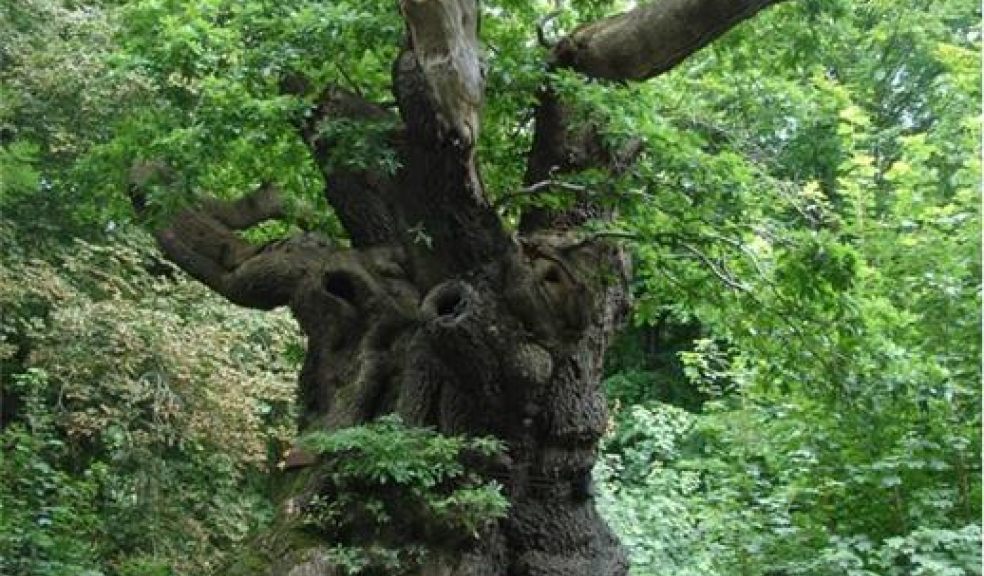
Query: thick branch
<point x="263" y="204"/>
<point x="651" y="39"/>
<point x="559" y="149"/>
<point x="444" y="38"/>
<point x="438" y="86"/>
<point x="362" y="198"/>
<point x="635" y="45"/>
<point x="203" y="243"/>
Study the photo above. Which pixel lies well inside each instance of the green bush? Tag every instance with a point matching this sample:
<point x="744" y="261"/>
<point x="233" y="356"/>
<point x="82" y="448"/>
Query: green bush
<point x="143" y="413"/>
<point x="50" y="523"/>
<point x="383" y="480"/>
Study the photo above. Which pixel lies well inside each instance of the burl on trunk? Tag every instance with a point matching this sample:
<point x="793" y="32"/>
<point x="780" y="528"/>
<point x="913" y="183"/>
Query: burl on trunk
<point x="437" y="312"/>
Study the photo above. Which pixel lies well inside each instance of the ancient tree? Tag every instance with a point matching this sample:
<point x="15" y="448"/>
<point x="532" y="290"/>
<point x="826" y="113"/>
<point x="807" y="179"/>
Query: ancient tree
<point x="478" y="330"/>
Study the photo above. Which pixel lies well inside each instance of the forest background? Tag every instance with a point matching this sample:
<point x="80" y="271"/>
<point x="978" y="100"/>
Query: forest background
<point x="799" y="392"/>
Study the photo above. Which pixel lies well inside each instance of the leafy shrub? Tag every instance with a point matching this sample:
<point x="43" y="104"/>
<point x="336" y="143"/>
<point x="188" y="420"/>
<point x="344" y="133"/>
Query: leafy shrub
<point x="50" y="522"/>
<point x="383" y="480"/>
<point x="646" y="499"/>
<point x="143" y="413"/>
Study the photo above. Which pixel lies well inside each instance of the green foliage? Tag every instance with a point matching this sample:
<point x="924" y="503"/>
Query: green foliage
<point x="218" y="114"/>
<point x="813" y="204"/>
<point x="50" y="522"/>
<point x="142" y="414"/>
<point x="17" y="166"/>
<point x="60" y="97"/>
<point x="808" y="213"/>
<point x="360" y="145"/>
<point x="647" y="500"/>
<point x="758" y="491"/>
<point x="384" y="480"/>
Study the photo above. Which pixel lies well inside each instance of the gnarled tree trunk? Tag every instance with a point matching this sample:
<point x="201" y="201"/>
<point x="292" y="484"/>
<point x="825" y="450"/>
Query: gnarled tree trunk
<point x="436" y="312"/>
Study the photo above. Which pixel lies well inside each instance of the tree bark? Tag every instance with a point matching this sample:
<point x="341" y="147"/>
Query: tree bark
<point x="650" y="39"/>
<point x="437" y="313"/>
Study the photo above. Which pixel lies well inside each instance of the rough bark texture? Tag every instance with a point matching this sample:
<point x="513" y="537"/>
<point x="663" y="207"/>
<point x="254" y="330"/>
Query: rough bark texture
<point x="436" y="312"/>
<point x="513" y="350"/>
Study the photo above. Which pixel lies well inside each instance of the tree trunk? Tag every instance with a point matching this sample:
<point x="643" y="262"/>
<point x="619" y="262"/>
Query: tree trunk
<point x="512" y="350"/>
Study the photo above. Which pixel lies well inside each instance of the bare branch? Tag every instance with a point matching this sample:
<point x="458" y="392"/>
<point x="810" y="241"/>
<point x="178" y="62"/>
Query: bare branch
<point x="537" y="188"/>
<point x="650" y="39"/>
<point x="263" y="204"/>
<point x="602" y="235"/>
<point x="720" y="272"/>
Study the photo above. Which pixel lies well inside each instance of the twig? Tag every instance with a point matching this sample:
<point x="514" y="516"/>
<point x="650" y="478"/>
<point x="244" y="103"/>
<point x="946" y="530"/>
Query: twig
<point x="355" y="87"/>
<point x="743" y="248"/>
<point x="728" y="279"/>
<point x="790" y="198"/>
<point x="536" y="188"/>
<point x="601" y="234"/>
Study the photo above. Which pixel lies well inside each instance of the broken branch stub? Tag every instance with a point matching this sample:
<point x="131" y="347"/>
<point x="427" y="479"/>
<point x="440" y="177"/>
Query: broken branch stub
<point x="444" y="34"/>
